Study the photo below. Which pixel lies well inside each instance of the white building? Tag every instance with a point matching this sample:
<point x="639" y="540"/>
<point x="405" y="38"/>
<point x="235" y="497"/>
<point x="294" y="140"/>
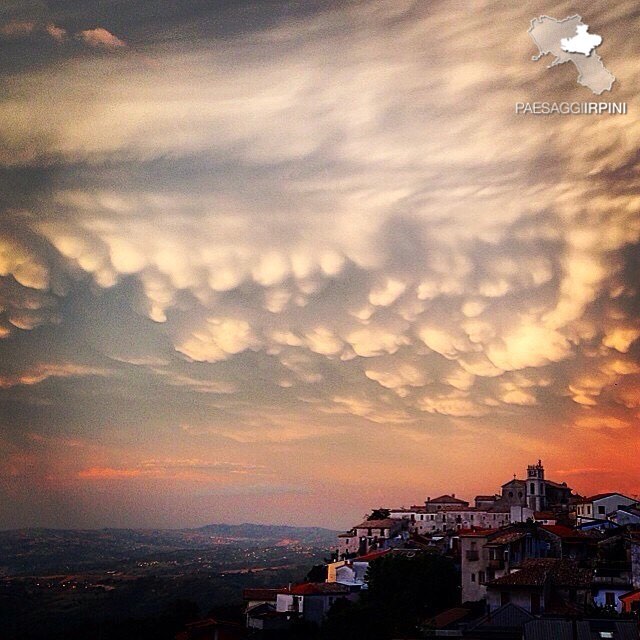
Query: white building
<point x="600" y="506"/>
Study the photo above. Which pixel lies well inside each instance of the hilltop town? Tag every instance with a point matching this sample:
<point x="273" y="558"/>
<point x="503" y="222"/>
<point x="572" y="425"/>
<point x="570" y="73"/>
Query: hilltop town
<point x="535" y="560"/>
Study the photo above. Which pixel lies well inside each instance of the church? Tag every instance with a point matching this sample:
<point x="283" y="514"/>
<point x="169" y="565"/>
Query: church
<point x="535" y="492"/>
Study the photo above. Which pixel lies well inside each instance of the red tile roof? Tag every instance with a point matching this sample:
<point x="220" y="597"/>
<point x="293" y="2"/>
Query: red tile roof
<point x="507" y="537"/>
<point x="448" y="617"/>
<point x="544" y="515"/>
<point x="476" y="533"/>
<point x="316" y="589"/>
<point x="536" y="572"/>
<point x="370" y="557"/>
<point x="267" y="595"/>
<point x="600" y="496"/>
<point x="447" y="499"/>
<point x="563" y="532"/>
<point x="387" y="523"/>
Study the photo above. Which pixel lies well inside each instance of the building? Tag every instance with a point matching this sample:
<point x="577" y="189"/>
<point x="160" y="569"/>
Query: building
<point x="487" y="555"/>
<point x="443" y="502"/>
<point x="624" y="516"/>
<point x="212" y="629"/>
<point x="451" y="517"/>
<point x="352" y="573"/>
<point x="550" y="629"/>
<point x="311" y="601"/>
<point x="631" y="602"/>
<point x="600" y="506"/>
<point x="543" y="585"/>
<point x="536" y="492"/>
<point x="634" y="553"/>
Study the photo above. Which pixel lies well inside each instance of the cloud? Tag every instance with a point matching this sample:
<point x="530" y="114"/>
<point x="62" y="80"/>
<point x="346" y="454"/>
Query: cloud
<point x="100" y="38"/>
<point x="218" y="339"/>
<point x="59" y="34"/>
<point x="351" y="238"/>
<point x="173" y="469"/>
<point x="17" y="29"/>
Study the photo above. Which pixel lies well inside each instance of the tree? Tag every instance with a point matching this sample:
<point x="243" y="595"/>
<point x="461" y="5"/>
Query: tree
<point x="403" y="590"/>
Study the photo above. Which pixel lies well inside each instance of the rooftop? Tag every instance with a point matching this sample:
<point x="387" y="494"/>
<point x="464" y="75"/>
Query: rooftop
<point x="370" y="557"/>
<point x="316" y="589"/>
<point x="387" y="523"/>
<point x="601" y="496"/>
<point x="537" y="572"/>
<point x="446" y="499"/>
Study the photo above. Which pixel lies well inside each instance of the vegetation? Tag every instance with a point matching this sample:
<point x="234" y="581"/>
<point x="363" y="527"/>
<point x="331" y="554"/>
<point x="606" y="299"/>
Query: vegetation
<point x="402" y="592"/>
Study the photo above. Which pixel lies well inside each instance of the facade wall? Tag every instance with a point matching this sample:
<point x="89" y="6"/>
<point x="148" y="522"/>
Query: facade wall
<point x="635" y="564"/>
<point x="348" y="546"/>
<point x="605" y="506"/>
<point x="520" y="597"/>
<point x="453" y="520"/>
<point x="474" y="562"/>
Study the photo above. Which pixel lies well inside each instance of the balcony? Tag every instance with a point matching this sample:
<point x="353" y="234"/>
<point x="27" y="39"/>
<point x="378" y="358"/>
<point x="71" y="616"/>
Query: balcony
<point x="472" y="555"/>
<point x="496" y="564"/>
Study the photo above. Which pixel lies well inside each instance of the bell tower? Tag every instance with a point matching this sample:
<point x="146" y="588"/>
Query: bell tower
<point x="536" y="498"/>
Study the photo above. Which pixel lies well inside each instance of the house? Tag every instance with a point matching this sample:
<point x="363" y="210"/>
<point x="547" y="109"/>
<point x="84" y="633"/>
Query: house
<point x="483" y="502"/>
<point x="565" y="542"/>
<point x="212" y="629"/>
<point x="352" y="573"/>
<point x="545" y="517"/>
<point x="254" y="597"/>
<point x="348" y="545"/>
<point x="441" y="502"/>
<point x="631" y="602"/>
<point x="634" y="553"/>
<point x="505" y="623"/>
<point x="448" y="516"/>
<point x="612" y="572"/>
<point x="624" y="516"/>
<point x="555" y="629"/>
<point x="543" y="585"/>
<point x="599" y="506"/>
<point x="312" y="600"/>
<point x="474" y="563"/>
<point x="378" y="534"/>
<point x="266" y="620"/>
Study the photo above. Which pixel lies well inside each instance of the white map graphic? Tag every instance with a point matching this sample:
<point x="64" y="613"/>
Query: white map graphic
<point x="568" y="40"/>
<point x="583" y="42"/>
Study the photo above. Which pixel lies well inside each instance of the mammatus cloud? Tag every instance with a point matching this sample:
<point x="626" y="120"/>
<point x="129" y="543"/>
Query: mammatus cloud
<point x="98" y="37"/>
<point x="329" y="225"/>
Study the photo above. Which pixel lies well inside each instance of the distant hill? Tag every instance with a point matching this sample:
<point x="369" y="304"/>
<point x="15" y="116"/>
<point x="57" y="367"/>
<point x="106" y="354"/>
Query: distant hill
<point x="49" y="550"/>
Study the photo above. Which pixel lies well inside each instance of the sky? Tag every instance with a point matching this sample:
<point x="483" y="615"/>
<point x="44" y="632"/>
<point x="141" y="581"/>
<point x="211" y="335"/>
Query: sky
<point x="285" y="262"/>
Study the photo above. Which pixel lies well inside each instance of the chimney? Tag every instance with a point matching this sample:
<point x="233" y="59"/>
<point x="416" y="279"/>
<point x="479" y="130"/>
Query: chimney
<point x="453" y="495"/>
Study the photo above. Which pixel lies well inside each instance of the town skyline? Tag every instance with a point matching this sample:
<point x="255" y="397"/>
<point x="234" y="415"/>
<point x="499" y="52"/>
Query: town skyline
<point x="286" y="262"/>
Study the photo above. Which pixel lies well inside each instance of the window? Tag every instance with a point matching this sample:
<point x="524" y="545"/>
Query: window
<point x="473" y="577"/>
<point x="505" y="598"/>
<point x="481" y="576"/>
<point x="533" y="488"/>
<point x="511" y="494"/>
<point x="535" y="603"/>
<point x="610" y="599"/>
<point x="601" y="510"/>
<point x="519" y="494"/>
